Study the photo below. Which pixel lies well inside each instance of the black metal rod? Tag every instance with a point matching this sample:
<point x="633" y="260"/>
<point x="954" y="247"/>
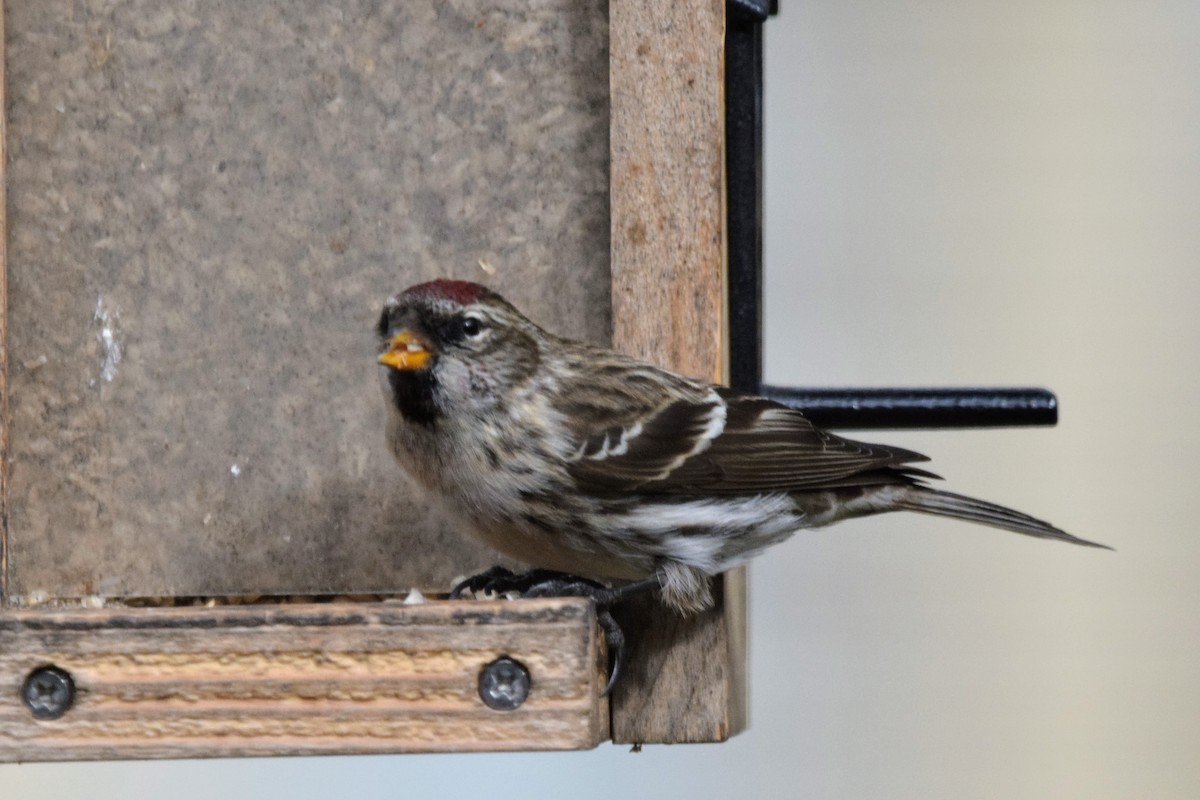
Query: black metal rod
<point x="831" y="408"/>
<point x="920" y="408"/>
<point x="743" y="170"/>
<point x="751" y="10"/>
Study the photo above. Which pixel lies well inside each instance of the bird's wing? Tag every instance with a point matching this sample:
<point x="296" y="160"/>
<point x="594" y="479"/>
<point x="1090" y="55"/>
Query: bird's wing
<point x="622" y="453"/>
<point x="727" y="443"/>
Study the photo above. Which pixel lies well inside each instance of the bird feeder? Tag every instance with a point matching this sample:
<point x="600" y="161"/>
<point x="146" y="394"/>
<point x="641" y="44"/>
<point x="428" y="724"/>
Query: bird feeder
<point x="206" y="548"/>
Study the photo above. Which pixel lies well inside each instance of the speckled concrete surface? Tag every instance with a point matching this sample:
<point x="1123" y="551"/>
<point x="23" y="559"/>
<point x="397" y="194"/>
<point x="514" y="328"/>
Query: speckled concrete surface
<point x="208" y="201"/>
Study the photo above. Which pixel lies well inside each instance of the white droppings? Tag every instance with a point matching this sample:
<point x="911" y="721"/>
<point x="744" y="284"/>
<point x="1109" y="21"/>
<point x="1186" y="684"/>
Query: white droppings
<point x="414" y="597"/>
<point x="235" y="470"/>
<point x="36" y="598"/>
<point x="110" y="341"/>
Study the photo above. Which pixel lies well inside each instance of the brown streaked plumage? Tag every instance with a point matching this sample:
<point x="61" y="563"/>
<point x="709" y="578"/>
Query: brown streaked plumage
<point x="576" y="458"/>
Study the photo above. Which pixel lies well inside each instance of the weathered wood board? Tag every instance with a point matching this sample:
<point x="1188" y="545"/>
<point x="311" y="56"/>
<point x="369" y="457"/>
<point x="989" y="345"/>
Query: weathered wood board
<point x="686" y="676"/>
<point x="301" y="679"/>
<point x="207" y="205"/>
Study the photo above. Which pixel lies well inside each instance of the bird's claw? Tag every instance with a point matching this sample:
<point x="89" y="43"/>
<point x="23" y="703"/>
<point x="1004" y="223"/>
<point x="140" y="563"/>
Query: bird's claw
<point x="548" y="583"/>
<point x="483" y="582"/>
<point x="534" y="583"/>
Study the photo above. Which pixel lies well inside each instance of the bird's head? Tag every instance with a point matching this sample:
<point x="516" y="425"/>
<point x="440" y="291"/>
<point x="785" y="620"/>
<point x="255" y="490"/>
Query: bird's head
<point x="453" y="346"/>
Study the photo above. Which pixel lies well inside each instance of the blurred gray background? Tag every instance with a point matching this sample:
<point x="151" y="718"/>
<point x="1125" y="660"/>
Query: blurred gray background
<point x="957" y="193"/>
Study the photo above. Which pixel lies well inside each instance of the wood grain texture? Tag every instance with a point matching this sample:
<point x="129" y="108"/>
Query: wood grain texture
<point x="5" y="419"/>
<point x="301" y="679"/>
<point x="222" y="195"/>
<point x="667" y="182"/>
<point x="686" y="677"/>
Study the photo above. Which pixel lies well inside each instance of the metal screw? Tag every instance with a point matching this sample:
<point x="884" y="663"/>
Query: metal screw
<point x="48" y="692"/>
<point x="504" y="684"/>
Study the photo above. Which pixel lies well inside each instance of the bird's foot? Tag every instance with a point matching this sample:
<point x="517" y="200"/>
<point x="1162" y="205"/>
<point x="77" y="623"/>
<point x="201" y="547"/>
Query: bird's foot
<point x="499" y="581"/>
<point x="548" y="583"/>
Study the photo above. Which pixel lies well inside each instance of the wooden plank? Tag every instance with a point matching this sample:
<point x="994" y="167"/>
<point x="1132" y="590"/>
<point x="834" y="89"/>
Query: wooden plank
<point x="667" y="182"/>
<point x="685" y="680"/>
<point x="686" y="677"/>
<point x="5" y="418"/>
<point x="301" y="679"/>
<point x="227" y="192"/>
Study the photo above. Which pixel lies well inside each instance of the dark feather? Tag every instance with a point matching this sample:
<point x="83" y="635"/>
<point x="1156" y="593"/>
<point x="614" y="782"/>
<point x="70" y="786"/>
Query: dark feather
<point x="650" y="454"/>
<point x="412" y="392"/>
<point x="764" y="447"/>
<point x="948" y="504"/>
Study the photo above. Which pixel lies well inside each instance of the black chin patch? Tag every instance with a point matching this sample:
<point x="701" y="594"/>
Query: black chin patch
<point x="412" y="392"/>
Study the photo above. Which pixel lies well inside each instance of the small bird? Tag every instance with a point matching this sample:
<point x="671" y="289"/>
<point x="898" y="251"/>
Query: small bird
<point x="575" y="458"/>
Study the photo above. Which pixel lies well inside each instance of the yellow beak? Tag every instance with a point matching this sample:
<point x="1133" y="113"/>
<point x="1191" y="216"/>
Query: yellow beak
<point x="405" y="352"/>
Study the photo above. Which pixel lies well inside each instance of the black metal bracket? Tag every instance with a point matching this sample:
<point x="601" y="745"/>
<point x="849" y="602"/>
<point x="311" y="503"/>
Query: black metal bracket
<point x="920" y="408"/>
<point x="743" y="182"/>
<point x="835" y="408"/>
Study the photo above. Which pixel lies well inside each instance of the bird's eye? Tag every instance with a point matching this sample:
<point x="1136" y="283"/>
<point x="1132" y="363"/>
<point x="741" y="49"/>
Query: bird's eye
<point x="471" y="326"/>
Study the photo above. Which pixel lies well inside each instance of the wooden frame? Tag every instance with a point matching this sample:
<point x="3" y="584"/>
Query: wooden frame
<point x="686" y="677"/>
<point x="668" y="266"/>
<point x="301" y="679"/>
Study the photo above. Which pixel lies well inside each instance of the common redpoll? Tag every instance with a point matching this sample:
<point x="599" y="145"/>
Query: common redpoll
<point x="575" y="458"/>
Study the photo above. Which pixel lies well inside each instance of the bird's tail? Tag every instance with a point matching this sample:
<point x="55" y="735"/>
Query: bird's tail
<point x="948" y="504"/>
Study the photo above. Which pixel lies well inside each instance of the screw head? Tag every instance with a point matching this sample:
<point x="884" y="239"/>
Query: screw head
<point x="504" y="684"/>
<point x="48" y="692"/>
